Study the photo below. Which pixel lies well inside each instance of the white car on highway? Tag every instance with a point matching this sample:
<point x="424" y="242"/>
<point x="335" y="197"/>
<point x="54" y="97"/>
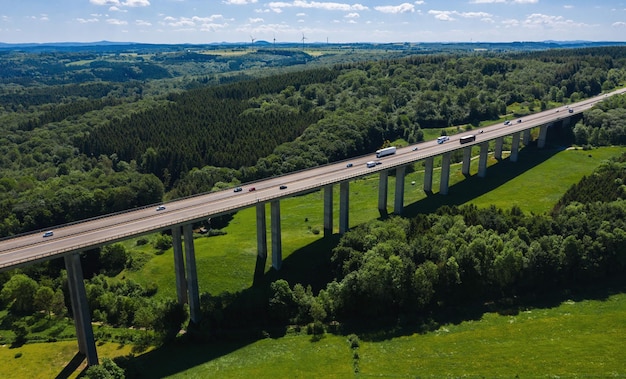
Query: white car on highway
<point x="442" y="139"/>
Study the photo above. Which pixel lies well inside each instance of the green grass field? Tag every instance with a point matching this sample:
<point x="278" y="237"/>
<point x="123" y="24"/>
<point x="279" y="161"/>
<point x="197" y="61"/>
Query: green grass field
<point x="578" y="338"/>
<point x="575" y="339"/>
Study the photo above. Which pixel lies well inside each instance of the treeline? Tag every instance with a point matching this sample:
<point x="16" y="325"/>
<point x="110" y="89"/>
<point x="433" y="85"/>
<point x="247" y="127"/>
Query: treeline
<point x="56" y="95"/>
<point x="105" y="186"/>
<point x="216" y="126"/>
<point x="51" y="69"/>
<point x="62" y="111"/>
<point x="606" y="184"/>
<point x="603" y="125"/>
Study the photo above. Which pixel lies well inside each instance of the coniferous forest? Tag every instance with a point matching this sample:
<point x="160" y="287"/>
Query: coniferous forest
<point x="86" y="133"/>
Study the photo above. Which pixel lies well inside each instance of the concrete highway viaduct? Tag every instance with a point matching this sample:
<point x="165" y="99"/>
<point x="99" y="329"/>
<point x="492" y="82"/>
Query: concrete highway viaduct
<point x="178" y="216"/>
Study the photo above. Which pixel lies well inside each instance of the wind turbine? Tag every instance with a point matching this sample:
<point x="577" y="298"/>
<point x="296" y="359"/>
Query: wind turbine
<point x="303" y="38"/>
<point x="252" y="39"/>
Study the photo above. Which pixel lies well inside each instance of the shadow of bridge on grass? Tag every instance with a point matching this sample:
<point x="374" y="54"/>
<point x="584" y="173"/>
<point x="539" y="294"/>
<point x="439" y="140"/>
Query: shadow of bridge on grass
<point x="473" y="186"/>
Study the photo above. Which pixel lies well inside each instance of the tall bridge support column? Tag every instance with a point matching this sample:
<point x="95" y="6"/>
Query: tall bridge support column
<point x="179" y="266"/>
<point x="482" y="162"/>
<point x="428" y="174"/>
<point x="543" y="132"/>
<point x="445" y="174"/>
<point x="514" y="147"/>
<point x="192" y="275"/>
<point x="467" y="160"/>
<point x="277" y="247"/>
<point x="344" y="205"/>
<point x="526" y="137"/>
<point x="498" y="148"/>
<point x="383" y="182"/>
<point x="398" y="201"/>
<point x="328" y="210"/>
<point x="261" y="243"/>
<point x="261" y="231"/>
<point x="80" y="308"/>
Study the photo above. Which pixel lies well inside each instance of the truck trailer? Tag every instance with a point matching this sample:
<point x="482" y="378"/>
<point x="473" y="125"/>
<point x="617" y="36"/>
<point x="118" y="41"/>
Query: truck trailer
<point x="466" y="139"/>
<point x="386" y="151"/>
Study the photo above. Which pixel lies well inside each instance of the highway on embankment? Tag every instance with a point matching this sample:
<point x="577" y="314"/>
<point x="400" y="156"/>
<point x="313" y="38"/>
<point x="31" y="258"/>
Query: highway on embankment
<point x="104" y="230"/>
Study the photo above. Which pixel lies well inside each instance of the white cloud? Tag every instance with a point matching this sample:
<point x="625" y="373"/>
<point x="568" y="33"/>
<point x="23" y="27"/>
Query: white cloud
<point x="114" y="21"/>
<point x="204" y="23"/>
<point x="419" y="2"/>
<point x="619" y="24"/>
<point x="87" y="20"/>
<point x="105" y="2"/>
<point x="352" y="15"/>
<point x="277" y="6"/>
<point x="504" y="1"/>
<point x="116" y="4"/>
<point x="255" y="20"/>
<point x="239" y="2"/>
<point x="136" y="3"/>
<point x="212" y="27"/>
<point x="442" y="15"/>
<point x="543" y="20"/>
<point x="450" y="15"/>
<point x="395" y="9"/>
<point x="143" y="23"/>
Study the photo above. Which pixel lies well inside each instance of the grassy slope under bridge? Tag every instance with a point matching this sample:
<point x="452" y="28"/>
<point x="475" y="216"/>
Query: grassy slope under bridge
<point x="226" y="263"/>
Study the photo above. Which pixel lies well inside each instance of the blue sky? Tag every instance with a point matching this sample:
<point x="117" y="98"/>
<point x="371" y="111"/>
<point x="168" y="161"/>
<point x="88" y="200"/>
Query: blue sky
<point x="196" y="21"/>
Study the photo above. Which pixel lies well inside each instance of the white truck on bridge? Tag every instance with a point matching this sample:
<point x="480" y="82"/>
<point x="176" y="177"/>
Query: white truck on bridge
<point x="386" y="151"/>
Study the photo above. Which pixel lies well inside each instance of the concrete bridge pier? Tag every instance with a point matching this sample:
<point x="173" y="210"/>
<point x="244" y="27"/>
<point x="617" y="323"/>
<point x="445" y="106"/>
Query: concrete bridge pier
<point x="467" y="160"/>
<point x="514" y="147"/>
<point x="179" y="265"/>
<point x="192" y="275"/>
<point x="428" y="174"/>
<point x="277" y="248"/>
<point x="543" y="132"/>
<point x="328" y="210"/>
<point x="445" y="173"/>
<point x="344" y="205"/>
<point x="80" y="308"/>
<point x="482" y="162"/>
<point x="498" y="148"/>
<point x="383" y="183"/>
<point x="261" y="231"/>
<point x="398" y="203"/>
<point x="261" y="243"/>
<point x="526" y="137"/>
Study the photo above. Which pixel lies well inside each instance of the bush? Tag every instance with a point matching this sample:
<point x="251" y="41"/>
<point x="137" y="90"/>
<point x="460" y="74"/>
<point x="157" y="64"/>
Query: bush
<point x="163" y="242"/>
<point x="106" y="370"/>
<point x="354" y="342"/>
